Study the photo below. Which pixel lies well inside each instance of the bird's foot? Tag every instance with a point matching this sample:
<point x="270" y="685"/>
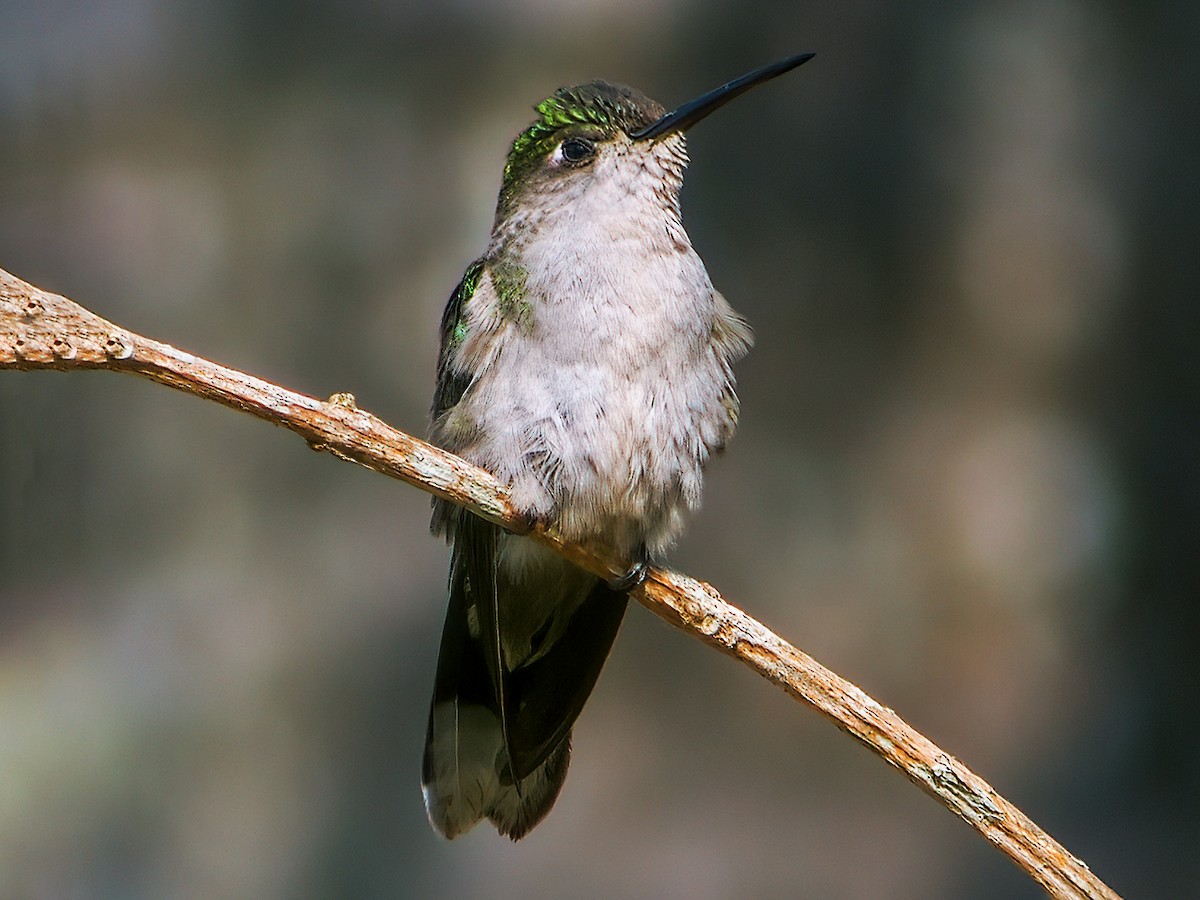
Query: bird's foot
<point x="634" y="575"/>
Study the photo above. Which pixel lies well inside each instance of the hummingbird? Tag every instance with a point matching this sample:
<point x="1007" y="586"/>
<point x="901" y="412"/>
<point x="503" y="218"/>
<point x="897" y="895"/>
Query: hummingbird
<point x="587" y="361"/>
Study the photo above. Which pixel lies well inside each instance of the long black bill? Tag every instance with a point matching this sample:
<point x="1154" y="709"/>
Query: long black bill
<point x="693" y="111"/>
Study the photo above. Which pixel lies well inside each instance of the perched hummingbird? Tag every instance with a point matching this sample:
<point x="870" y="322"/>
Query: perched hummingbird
<point x="586" y="359"/>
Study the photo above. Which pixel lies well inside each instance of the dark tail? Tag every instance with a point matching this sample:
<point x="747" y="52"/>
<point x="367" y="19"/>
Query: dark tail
<point x="499" y="737"/>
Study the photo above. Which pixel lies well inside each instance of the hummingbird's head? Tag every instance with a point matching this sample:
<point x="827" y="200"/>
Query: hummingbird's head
<point x="613" y="134"/>
<point x="579" y="132"/>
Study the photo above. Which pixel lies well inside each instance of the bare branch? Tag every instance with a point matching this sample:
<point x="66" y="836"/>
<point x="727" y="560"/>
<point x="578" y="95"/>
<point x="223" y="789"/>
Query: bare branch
<point x="39" y="330"/>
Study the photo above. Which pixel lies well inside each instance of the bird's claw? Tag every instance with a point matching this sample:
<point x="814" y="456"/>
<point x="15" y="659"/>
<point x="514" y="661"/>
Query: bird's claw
<point x="633" y="576"/>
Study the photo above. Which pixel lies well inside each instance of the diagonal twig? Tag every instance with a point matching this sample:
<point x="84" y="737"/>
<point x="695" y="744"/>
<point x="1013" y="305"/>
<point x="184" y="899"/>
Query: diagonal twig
<point x="40" y="330"/>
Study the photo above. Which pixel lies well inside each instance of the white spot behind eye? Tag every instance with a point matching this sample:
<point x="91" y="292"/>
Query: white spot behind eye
<point x="573" y="152"/>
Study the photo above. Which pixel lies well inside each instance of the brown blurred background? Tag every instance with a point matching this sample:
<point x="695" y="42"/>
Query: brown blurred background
<point x="967" y="476"/>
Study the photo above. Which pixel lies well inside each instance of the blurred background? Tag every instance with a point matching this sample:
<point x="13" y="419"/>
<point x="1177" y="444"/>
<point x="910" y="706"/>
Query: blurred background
<point x="966" y="478"/>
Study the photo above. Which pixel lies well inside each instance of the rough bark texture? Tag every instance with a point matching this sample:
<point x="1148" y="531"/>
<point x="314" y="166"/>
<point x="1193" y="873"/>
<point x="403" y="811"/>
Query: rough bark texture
<point x="39" y="330"/>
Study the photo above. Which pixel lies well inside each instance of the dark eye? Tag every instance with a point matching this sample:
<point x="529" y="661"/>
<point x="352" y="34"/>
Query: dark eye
<point x="577" y="150"/>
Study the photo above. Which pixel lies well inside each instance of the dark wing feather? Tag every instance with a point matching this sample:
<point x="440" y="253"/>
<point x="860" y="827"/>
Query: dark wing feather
<point x="473" y="568"/>
<point x="546" y="696"/>
<point x="464" y="671"/>
<point x="471" y="667"/>
<point x="451" y="382"/>
<point x="457" y="792"/>
<point x="537" y="704"/>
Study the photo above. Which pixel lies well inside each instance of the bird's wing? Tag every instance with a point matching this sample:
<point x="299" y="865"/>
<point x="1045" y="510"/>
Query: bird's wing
<point x="452" y="383"/>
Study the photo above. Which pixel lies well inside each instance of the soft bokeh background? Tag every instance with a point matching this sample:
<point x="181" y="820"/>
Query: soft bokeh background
<point x="966" y="477"/>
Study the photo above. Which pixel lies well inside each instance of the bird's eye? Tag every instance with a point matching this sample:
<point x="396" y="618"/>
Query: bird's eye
<point x="576" y="150"/>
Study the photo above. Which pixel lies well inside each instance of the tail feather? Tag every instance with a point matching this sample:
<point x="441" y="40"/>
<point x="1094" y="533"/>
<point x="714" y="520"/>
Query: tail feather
<point x="499" y="736"/>
<point x="465" y="777"/>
